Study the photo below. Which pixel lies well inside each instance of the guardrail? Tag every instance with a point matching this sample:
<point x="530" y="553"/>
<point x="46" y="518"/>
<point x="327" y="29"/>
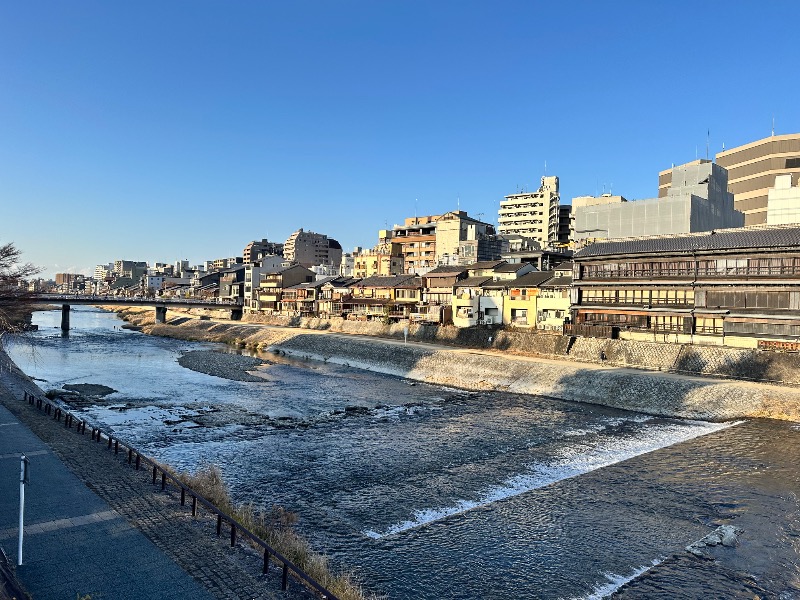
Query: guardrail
<point x="137" y="459"/>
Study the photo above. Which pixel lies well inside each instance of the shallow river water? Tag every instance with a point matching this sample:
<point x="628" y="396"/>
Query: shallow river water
<point x="429" y="492"/>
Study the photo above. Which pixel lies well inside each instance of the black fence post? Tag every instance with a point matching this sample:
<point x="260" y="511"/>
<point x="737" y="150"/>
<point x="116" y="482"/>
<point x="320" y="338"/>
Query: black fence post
<point x="285" y="578"/>
<point x="266" y="562"/>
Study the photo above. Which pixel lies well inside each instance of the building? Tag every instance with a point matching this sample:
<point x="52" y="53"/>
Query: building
<point x="252" y="278"/>
<point x="222" y="263"/>
<point x="783" y="202"/>
<point x="752" y="169"/>
<point x="308" y="249"/>
<point x="383" y="260"/>
<point x="697" y="199"/>
<point x="738" y="287"/>
<point x="532" y="215"/>
<point x="384" y="298"/>
<point x="564" y="233"/>
<point x="130" y="269"/>
<point x="259" y="249"/>
<point x="273" y="283"/>
<point x="453" y="238"/>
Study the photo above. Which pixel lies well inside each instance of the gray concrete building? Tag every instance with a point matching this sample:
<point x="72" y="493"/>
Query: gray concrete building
<point x="696" y="199"/>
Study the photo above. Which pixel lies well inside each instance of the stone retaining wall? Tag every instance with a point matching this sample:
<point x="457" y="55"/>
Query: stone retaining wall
<point x="646" y="391"/>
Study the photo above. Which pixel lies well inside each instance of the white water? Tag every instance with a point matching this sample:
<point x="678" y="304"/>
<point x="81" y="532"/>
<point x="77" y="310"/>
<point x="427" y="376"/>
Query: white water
<point x="615" y="582"/>
<point x="575" y="460"/>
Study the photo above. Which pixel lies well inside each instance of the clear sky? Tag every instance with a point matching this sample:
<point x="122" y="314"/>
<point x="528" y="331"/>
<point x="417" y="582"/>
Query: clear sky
<point x="165" y="130"/>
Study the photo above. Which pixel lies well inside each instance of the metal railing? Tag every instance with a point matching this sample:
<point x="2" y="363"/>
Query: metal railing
<point x="137" y="459"/>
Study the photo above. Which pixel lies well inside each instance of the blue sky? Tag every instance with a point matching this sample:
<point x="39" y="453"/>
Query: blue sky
<point x="165" y="130"/>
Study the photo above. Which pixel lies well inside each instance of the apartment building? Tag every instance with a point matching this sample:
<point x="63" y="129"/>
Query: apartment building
<point x="532" y="215"/>
<point x="256" y="250"/>
<point x="452" y="238"/>
<point x="308" y="249"/>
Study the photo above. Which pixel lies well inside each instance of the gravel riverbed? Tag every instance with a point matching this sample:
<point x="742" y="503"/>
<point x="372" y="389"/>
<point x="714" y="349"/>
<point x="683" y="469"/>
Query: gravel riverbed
<point x="220" y="364"/>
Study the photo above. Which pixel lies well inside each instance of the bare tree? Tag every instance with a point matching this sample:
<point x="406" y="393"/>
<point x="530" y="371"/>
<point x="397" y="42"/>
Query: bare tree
<point x="15" y="299"/>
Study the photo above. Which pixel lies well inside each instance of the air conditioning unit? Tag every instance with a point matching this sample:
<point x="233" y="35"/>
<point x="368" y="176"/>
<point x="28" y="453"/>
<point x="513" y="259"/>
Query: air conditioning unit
<point x="487" y="320"/>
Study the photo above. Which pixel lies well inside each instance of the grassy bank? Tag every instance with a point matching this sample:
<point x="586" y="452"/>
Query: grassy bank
<point x="276" y="527"/>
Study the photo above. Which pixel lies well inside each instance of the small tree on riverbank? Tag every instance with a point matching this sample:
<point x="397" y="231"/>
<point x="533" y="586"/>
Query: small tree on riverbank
<point x="15" y="299"/>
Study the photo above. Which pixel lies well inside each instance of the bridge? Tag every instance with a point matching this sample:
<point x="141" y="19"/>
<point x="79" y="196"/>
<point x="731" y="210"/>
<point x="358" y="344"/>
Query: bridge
<point x="160" y="304"/>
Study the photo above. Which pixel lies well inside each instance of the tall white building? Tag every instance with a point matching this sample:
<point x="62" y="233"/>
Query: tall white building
<point x="532" y="215"/>
<point x="783" y="202"/>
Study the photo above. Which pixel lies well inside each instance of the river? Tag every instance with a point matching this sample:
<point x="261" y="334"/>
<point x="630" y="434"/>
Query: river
<point x="429" y="492"/>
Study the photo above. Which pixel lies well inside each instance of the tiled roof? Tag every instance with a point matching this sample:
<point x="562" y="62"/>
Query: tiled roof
<point x="533" y="279"/>
<point x="445" y="270"/>
<point x="558" y="282"/>
<point x="723" y="239"/>
<point x="510" y="267"/>
<point x="383" y="281"/>
<point x="472" y="281"/>
<point x="486" y="264"/>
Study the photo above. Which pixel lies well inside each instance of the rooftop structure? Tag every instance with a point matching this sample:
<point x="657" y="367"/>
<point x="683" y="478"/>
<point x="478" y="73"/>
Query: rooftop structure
<point x="696" y="199"/>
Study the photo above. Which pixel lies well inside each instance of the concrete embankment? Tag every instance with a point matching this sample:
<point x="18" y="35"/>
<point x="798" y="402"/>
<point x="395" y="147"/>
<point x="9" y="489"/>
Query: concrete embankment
<point x="652" y="392"/>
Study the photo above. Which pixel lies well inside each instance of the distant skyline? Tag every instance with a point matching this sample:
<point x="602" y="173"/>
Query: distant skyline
<point x="184" y="130"/>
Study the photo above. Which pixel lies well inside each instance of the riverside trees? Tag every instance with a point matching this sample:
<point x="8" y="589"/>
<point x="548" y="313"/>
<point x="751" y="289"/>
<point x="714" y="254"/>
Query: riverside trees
<point x="15" y="299"/>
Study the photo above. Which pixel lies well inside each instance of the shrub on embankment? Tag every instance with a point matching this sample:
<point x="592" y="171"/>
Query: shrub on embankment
<point x="276" y="527"/>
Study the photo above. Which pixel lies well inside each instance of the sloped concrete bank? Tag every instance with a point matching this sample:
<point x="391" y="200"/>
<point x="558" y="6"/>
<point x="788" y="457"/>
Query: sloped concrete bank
<point x="652" y="392"/>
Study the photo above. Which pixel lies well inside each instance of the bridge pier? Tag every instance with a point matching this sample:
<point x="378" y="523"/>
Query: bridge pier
<point x="236" y="314"/>
<point x="161" y="314"/>
<point x="65" y="317"/>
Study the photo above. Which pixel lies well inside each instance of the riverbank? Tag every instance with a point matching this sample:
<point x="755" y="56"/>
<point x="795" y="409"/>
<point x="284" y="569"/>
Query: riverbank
<point x="158" y="550"/>
<point x="652" y="392"/>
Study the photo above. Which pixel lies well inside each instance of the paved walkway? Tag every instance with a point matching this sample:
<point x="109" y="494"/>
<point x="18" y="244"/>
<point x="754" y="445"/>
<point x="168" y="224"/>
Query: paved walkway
<point x="95" y="526"/>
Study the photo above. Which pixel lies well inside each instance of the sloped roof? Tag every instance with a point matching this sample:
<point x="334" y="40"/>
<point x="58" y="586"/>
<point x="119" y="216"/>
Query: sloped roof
<point x="444" y="271"/>
<point x="383" y="281"/>
<point x="472" y="281"/>
<point x="558" y="282"/>
<point x="486" y="264"/>
<point x="511" y="267"/>
<point x="532" y="279"/>
<point x="722" y="239"/>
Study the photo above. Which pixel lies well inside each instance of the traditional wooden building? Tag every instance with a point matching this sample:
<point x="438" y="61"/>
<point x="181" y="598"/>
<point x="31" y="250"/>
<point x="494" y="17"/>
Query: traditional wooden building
<point x="737" y="287"/>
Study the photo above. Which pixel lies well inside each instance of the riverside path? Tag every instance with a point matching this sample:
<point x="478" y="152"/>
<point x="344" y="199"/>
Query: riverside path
<point x="94" y="528"/>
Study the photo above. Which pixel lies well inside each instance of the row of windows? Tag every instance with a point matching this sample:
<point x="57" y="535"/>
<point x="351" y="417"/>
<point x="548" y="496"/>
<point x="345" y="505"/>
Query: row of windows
<point x="656" y="323"/>
<point x="748" y="299"/>
<point x="699" y="268"/>
<point x="652" y="297"/>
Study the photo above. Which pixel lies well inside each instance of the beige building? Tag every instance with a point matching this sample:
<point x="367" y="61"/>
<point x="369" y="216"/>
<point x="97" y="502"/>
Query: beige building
<point x="308" y="249"/>
<point x="426" y="242"/>
<point x="783" y="202"/>
<point x="532" y="214"/>
<point x="752" y="169"/>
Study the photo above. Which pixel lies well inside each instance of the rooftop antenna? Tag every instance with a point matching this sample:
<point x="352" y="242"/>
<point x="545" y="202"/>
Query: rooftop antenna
<point x="545" y="168"/>
<point x="416" y="219"/>
<point x="773" y="125"/>
<point x="708" y="138"/>
<point x="458" y="203"/>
